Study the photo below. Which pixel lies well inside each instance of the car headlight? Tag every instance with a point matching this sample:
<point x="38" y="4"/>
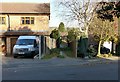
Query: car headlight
<point x="31" y="49"/>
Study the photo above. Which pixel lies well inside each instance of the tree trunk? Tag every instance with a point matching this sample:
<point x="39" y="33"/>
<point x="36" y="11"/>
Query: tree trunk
<point x="86" y="32"/>
<point x="73" y="46"/>
<point x="58" y="43"/>
<point x="99" y="47"/>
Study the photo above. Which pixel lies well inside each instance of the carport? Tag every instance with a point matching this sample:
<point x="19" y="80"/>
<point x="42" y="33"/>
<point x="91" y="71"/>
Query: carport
<point x="11" y="38"/>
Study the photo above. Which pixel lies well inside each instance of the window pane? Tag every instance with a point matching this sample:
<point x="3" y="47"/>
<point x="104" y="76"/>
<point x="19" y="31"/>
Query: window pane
<point x="23" y="22"/>
<point x="27" y="18"/>
<point x="32" y="21"/>
<point x="2" y="20"/>
<point x="22" y="18"/>
<point x="27" y="21"/>
<point x="32" y="18"/>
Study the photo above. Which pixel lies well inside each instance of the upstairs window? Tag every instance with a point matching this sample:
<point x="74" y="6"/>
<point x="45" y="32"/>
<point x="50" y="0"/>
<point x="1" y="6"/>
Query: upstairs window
<point x="27" y="20"/>
<point x="2" y="20"/>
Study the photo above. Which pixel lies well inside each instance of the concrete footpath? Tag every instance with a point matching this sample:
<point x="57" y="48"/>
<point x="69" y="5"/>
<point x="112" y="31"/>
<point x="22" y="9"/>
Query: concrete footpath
<point x="9" y="62"/>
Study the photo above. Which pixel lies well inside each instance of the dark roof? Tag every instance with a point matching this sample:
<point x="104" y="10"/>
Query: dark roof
<point x="25" y="8"/>
<point x="15" y="33"/>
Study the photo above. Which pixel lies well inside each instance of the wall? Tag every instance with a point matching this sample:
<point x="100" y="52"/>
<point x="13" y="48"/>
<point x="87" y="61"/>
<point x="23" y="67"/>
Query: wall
<point x="3" y="27"/>
<point x="40" y="24"/>
<point x="49" y="43"/>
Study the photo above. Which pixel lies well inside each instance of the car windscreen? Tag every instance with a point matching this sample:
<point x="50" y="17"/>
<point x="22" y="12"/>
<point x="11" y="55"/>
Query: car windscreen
<point x="25" y="42"/>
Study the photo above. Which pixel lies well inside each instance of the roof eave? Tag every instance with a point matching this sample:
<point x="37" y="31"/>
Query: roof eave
<point x="24" y="13"/>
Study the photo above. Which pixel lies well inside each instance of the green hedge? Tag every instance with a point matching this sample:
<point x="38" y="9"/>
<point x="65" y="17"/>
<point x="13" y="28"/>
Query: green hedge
<point x="118" y="49"/>
<point x="82" y="47"/>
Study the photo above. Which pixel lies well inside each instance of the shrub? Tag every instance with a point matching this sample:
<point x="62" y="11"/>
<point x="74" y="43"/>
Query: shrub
<point x="82" y="47"/>
<point x="67" y="51"/>
<point x="61" y="56"/>
<point x="54" y="53"/>
<point x="61" y="27"/>
<point x="55" y="50"/>
<point x="92" y="52"/>
<point x="48" y="56"/>
<point x="55" y="34"/>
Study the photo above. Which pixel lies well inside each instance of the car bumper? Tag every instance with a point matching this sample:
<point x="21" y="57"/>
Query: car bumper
<point x="25" y="54"/>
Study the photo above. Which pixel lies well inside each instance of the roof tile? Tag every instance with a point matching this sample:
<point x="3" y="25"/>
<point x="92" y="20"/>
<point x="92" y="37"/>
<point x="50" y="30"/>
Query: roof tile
<point x="24" y="8"/>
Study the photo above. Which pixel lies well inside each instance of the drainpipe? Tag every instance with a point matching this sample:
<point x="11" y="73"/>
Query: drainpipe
<point x="8" y="23"/>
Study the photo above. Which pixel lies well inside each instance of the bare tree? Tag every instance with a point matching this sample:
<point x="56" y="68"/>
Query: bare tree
<point x="81" y="11"/>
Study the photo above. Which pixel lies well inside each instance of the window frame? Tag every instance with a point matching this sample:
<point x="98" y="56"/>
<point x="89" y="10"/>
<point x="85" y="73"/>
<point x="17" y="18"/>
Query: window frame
<point x="27" y="20"/>
<point x="2" y="20"/>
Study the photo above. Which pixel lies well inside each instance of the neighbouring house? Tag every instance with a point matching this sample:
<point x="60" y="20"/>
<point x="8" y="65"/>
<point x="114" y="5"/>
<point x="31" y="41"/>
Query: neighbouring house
<point x="24" y="19"/>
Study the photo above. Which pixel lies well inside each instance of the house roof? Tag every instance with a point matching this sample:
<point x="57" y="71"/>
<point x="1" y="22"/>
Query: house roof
<point x="39" y="8"/>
